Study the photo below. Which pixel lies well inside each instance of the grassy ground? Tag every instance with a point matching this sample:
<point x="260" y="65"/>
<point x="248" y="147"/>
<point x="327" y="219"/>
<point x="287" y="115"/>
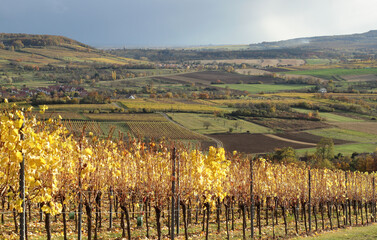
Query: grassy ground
<point x="328" y="73"/>
<point x="364" y="142"/>
<point x="344" y="134"/>
<point x="331" y="117"/>
<point x="266" y="88"/>
<point x="345" y="149"/>
<point x="196" y="122"/>
<point x="317" y="61"/>
<point x="360" y="233"/>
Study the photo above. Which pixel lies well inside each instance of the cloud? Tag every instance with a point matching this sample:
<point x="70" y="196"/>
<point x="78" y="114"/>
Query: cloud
<point x="186" y="22"/>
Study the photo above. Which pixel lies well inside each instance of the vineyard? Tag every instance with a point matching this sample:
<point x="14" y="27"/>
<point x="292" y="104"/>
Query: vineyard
<point x="157" y="130"/>
<point x="149" y="117"/>
<point x="87" y="126"/>
<point x="51" y="178"/>
<point x="149" y="105"/>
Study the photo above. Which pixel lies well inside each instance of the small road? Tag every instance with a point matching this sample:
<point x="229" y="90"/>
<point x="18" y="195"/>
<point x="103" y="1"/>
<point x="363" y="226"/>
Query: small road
<point x="289" y="140"/>
<point x="218" y="142"/>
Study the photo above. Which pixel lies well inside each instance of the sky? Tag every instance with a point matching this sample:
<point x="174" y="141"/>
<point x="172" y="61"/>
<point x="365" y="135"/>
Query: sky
<point x="180" y="23"/>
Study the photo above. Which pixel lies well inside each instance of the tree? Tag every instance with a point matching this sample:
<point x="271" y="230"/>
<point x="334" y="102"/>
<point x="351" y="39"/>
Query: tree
<point x="325" y="149"/>
<point x="285" y="155"/>
<point x="18" y="44"/>
<point x="230" y="69"/>
<point x="113" y="75"/>
<point x="207" y="124"/>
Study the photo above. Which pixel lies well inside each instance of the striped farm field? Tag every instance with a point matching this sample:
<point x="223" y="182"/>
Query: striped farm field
<point x="79" y="107"/>
<point x="78" y="127"/>
<point x="162" y="129"/>
<point x="151" y="105"/>
<point x="63" y="115"/>
<point x="141" y="117"/>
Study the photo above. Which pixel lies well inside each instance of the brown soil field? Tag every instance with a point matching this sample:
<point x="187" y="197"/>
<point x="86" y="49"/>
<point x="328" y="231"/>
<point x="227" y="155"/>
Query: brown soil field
<point x="367" y="127"/>
<point x="307" y="137"/>
<point x="208" y="77"/>
<point x="275" y="69"/>
<point x="260" y="62"/>
<point x="252" y="71"/>
<point x="360" y="78"/>
<point x="288" y="124"/>
<point x="234" y="61"/>
<point x="254" y="143"/>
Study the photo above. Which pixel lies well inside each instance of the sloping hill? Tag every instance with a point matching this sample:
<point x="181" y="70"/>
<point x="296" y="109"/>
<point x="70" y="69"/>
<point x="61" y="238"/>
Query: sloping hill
<point x="363" y="41"/>
<point x="39" y="50"/>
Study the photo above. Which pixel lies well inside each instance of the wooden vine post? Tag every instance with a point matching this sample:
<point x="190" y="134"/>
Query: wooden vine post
<point x="22" y="191"/>
<point x="374" y="200"/>
<point x="309" y="201"/>
<point x="251" y="199"/>
<point x="172" y="195"/>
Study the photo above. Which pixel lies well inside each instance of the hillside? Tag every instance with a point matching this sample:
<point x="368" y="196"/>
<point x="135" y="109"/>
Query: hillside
<point x="40" y="50"/>
<point x="363" y="41"/>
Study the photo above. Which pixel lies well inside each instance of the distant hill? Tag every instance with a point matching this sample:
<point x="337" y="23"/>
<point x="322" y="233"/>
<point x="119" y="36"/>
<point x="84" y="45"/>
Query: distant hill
<point x="32" y="40"/>
<point x="39" y="50"/>
<point x="364" y="42"/>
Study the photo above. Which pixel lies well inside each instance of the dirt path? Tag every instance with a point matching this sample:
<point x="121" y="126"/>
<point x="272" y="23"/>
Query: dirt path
<point x="289" y="140"/>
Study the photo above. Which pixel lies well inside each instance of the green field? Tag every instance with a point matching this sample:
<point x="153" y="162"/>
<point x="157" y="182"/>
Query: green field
<point x="328" y="73"/>
<point x="195" y="122"/>
<point x="345" y="149"/>
<point x="348" y="135"/>
<point x="266" y="88"/>
<point x="331" y="117"/>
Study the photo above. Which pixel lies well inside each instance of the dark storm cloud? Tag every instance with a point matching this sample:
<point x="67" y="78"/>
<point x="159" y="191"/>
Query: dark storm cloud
<point x="185" y="22"/>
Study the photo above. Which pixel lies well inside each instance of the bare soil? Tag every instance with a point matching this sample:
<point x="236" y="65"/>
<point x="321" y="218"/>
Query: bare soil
<point x="212" y="77"/>
<point x="367" y="127"/>
<point x="254" y="143"/>
<point x="307" y="137"/>
<point x="360" y="78"/>
<point x="288" y="124"/>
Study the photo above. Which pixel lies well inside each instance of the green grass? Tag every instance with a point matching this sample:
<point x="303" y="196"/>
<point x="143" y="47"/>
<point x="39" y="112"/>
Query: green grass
<point x="331" y="117"/>
<point x="328" y="73"/>
<point x="344" y="134"/>
<point x="359" y="233"/>
<point x="266" y="88"/>
<point x="195" y="123"/>
<point x="345" y="149"/>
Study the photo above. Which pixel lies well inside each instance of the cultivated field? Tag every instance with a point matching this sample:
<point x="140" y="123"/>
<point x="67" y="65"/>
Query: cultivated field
<point x="255" y="143"/>
<point x="78" y="127"/>
<point x="259" y="62"/>
<point x="265" y="88"/>
<point x="288" y="124"/>
<point x="79" y="107"/>
<point x="63" y="115"/>
<point x="360" y="78"/>
<point x="199" y="122"/>
<point x="366" y="127"/>
<point x="166" y="105"/>
<point x="147" y="117"/>
<point x="157" y="130"/>
<point x="212" y="77"/>
<point x="328" y="73"/>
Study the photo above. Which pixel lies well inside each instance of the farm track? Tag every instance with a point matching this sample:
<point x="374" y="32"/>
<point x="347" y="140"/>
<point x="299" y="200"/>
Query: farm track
<point x="289" y="140"/>
<point x="218" y="142"/>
